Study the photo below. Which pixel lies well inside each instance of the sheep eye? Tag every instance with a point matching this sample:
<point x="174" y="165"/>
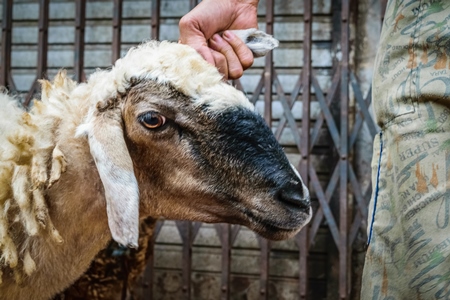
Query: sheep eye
<point x="152" y="120"/>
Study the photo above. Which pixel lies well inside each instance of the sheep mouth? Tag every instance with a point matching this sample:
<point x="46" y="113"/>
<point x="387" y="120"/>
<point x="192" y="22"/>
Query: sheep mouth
<point x="275" y="230"/>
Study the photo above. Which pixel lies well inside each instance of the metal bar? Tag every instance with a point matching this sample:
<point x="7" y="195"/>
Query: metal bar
<point x="363" y="108"/>
<point x="42" y="49"/>
<point x="226" y="261"/>
<point x="359" y="120"/>
<point x="357" y="192"/>
<point x="324" y="205"/>
<point x="234" y="232"/>
<point x="5" y="74"/>
<point x="43" y="38"/>
<point x="344" y="262"/>
<point x="317" y="220"/>
<point x="268" y="69"/>
<point x="185" y="229"/>
<point x="258" y="89"/>
<point x="305" y="138"/>
<point x="192" y="4"/>
<point x="80" y="23"/>
<point x="326" y="113"/>
<point x="358" y="223"/>
<point x="117" y="30"/>
<point x="264" y="268"/>
<point x="287" y="111"/>
<point x="31" y="91"/>
<point x="195" y="229"/>
<point x="319" y="121"/>
<point x="291" y="100"/>
<point x="237" y="84"/>
<point x="156" y="8"/>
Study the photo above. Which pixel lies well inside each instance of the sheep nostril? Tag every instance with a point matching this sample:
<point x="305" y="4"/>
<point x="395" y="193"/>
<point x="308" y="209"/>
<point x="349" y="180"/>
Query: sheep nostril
<point x="292" y="195"/>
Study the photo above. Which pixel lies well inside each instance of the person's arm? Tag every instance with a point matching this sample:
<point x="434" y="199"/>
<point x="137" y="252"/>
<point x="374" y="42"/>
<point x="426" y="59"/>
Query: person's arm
<point x="200" y="29"/>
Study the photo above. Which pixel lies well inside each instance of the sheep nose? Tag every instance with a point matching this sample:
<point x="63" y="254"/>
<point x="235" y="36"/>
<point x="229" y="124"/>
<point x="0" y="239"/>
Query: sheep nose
<point x="292" y="195"/>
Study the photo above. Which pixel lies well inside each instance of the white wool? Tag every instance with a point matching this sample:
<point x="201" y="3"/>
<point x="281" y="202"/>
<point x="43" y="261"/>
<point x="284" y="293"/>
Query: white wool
<point x="168" y="63"/>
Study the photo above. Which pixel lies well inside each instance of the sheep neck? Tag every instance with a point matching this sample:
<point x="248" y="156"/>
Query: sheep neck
<point x="59" y="265"/>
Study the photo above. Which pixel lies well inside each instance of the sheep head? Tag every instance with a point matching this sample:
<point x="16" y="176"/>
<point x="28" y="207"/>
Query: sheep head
<point x="170" y="139"/>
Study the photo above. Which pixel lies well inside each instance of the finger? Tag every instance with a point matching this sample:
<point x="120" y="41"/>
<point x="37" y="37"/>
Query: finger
<point x="243" y="53"/>
<point x="191" y="35"/>
<point x="205" y="52"/>
<point x="235" y="69"/>
<point x="220" y="62"/>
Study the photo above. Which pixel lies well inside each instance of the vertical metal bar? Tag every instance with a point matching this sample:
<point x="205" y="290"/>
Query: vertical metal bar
<point x="305" y="139"/>
<point x="192" y="4"/>
<point x="80" y="22"/>
<point x="117" y="30"/>
<point x="268" y="79"/>
<point x="43" y="38"/>
<point x="343" y="168"/>
<point x="5" y="74"/>
<point x="264" y="267"/>
<point x="149" y="272"/>
<point x="42" y="49"/>
<point x="156" y="7"/>
<point x="226" y="261"/>
<point x="268" y="70"/>
<point x="185" y="229"/>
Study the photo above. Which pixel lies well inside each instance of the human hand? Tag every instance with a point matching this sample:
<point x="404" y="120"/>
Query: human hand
<point x="201" y="29"/>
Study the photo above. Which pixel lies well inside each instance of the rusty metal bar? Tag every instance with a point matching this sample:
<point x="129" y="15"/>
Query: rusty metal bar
<point x="268" y="69"/>
<point x="305" y="138"/>
<point x="359" y="224"/>
<point x="117" y="30"/>
<point x="344" y="261"/>
<point x="258" y="89"/>
<point x="5" y="75"/>
<point x="358" y="195"/>
<point x="192" y="3"/>
<point x="80" y="23"/>
<point x="234" y="232"/>
<point x="330" y="95"/>
<point x="287" y="109"/>
<point x="359" y="120"/>
<point x="264" y="268"/>
<point x="185" y="229"/>
<point x="268" y="79"/>
<point x="318" y="217"/>
<point x="293" y="97"/>
<point x="362" y="104"/>
<point x="332" y="127"/>
<point x="156" y="9"/>
<point x="225" y="234"/>
<point x="324" y="205"/>
<point x="43" y="38"/>
<point x="42" y="49"/>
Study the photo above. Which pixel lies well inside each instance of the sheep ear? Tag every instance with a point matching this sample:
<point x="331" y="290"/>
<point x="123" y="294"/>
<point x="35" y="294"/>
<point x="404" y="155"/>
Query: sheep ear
<point x="259" y="42"/>
<point x="115" y="167"/>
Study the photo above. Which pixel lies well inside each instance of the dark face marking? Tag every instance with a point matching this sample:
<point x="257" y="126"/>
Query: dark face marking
<point x="212" y="166"/>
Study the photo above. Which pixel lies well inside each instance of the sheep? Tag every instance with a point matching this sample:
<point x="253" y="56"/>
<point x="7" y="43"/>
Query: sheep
<point x="159" y="135"/>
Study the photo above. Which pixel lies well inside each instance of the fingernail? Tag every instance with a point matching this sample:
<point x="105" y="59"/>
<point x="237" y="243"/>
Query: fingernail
<point x="227" y="35"/>
<point x="216" y="38"/>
